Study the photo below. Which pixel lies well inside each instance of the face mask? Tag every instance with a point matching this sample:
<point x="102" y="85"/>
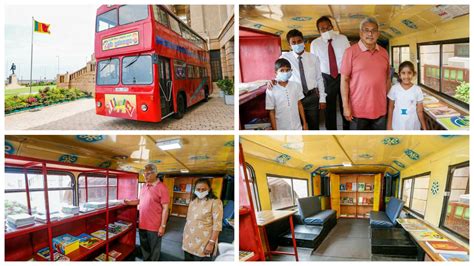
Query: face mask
<point x="283" y="76"/>
<point x="201" y="195"/>
<point x="327" y="35"/>
<point x="298" y="48"/>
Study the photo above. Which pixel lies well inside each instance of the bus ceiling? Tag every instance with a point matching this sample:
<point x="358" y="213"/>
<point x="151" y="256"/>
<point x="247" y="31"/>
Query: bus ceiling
<point x="394" y="20"/>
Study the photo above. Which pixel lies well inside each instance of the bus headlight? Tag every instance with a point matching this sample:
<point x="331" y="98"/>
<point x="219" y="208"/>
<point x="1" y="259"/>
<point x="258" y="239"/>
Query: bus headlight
<point x="144" y="107"/>
<point x="99" y="104"/>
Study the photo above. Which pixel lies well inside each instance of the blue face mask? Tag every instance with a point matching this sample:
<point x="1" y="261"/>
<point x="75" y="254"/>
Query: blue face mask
<point x="298" y="48"/>
<point x="283" y="76"/>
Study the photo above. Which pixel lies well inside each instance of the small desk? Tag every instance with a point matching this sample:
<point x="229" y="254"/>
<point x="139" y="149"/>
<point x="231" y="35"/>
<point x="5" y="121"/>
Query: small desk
<point x="430" y="253"/>
<point x="267" y="217"/>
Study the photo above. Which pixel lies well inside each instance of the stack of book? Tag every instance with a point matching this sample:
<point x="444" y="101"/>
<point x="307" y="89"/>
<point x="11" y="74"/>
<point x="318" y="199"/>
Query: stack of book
<point x="116" y="229"/>
<point x="245" y="255"/>
<point x="115" y="202"/>
<point x="42" y="217"/>
<point x="101" y="234"/>
<point x="94" y="205"/>
<point x="113" y="256"/>
<point x="70" y="209"/>
<point x="88" y="241"/>
<point x="123" y="223"/>
<point x="361" y="187"/>
<point x="65" y="244"/>
<point x="20" y="220"/>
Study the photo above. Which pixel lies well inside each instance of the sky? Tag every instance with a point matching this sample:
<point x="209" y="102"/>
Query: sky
<point x="72" y="30"/>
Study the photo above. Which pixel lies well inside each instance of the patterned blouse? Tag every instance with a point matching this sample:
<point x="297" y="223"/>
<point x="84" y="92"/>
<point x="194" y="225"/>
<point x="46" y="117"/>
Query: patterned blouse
<point x="204" y="216"/>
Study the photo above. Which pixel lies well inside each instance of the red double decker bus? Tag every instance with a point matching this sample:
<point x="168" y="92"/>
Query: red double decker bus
<point x="150" y="65"/>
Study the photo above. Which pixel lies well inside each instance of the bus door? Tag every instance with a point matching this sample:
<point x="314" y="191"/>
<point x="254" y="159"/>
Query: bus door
<point x="166" y="86"/>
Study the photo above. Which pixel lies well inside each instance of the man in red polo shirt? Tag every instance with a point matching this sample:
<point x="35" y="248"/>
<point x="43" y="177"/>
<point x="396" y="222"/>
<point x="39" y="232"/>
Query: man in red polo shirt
<point x="154" y="200"/>
<point x="365" y="80"/>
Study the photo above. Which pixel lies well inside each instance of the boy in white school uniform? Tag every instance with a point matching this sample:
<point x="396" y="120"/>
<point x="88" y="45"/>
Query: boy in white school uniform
<point x="329" y="49"/>
<point x="306" y="71"/>
<point x="283" y="100"/>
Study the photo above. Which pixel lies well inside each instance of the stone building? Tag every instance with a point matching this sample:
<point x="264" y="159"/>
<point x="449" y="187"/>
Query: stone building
<point x="215" y="23"/>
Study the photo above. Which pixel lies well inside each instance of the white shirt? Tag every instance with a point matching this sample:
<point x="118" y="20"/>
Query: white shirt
<point x="284" y="100"/>
<point x="319" y="47"/>
<point x="404" y="113"/>
<point x="312" y="73"/>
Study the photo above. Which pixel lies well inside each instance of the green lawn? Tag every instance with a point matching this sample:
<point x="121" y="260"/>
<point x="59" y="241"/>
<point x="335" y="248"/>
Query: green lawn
<point x="26" y="90"/>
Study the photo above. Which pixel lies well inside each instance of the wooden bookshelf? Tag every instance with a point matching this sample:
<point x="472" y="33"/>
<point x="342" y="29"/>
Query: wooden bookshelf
<point x="181" y="189"/>
<point x="356" y="195"/>
<point x="23" y="244"/>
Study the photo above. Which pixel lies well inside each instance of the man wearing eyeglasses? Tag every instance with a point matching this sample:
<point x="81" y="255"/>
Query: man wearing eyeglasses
<point x="365" y="80"/>
<point x="154" y="201"/>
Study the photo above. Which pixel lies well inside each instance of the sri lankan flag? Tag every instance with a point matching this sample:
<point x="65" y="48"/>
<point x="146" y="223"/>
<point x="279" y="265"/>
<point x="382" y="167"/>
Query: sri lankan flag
<point x="41" y="27"/>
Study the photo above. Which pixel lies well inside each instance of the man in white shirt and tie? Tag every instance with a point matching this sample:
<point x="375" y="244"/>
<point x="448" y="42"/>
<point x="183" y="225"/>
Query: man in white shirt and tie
<point x="306" y="71"/>
<point x="329" y="49"/>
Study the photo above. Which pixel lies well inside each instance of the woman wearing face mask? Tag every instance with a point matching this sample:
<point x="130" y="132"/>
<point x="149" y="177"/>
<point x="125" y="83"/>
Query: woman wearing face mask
<point x="203" y="223"/>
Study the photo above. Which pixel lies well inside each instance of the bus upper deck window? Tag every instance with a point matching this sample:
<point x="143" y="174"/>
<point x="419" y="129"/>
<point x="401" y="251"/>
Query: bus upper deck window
<point x="132" y="13"/>
<point x="108" y="72"/>
<point x="107" y="20"/>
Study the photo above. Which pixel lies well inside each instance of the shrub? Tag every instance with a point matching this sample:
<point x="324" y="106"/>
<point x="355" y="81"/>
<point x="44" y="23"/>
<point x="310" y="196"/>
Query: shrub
<point x="226" y="85"/>
<point x="462" y="92"/>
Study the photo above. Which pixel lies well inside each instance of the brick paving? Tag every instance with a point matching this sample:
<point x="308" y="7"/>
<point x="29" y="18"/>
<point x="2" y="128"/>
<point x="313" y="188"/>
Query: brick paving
<point x="211" y="115"/>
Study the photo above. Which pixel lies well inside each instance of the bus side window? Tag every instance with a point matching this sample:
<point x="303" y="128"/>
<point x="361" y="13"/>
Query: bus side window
<point x="174" y="25"/>
<point x="197" y="73"/>
<point x="161" y="16"/>
<point x="190" y="72"/>
<point x="179" y="69"/>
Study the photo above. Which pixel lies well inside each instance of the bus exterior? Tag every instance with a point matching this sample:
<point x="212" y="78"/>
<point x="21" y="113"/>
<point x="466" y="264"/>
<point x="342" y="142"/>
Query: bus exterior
<point x="150" y="65"/>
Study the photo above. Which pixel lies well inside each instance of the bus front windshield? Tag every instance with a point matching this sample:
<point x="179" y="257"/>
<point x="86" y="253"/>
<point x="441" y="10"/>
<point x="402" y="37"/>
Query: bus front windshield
<point x="108" y="72"/>
<point x="137" y="70"/>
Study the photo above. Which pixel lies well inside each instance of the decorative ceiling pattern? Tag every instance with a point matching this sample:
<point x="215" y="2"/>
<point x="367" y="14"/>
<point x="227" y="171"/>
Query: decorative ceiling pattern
<point x="394" y="20"/>
<point x="372" y="153"/>
<point x="199" y="154"/>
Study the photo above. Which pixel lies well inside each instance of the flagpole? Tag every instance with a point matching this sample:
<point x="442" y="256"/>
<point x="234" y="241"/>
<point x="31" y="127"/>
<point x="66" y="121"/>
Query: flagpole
<point x="31" y="59"/>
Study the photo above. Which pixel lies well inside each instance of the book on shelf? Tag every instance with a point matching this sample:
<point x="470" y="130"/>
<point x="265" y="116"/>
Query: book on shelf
<point x="113" y="256"/>
<point x="115" y="202"/>
<point x="65" y="244"/>
<point x="369" y="187"/>
<point x="454" y="257"/>
<point x="455" y="122"/>
<point x="182" y="187"/>
<point x="42" y="218"/>
<point x="434" y="105"/>
<point x="403" y="221"/>
<point x="88" y="241"/>
<point x="361" y="187"/>
<point x="428" y="235"/>
<point x="245" y="255"/>
<point x="101" y="234"/>
<point x="70" y="209"/>
<point x="188" y="187"/>
<point x="116" y="229"/>
<point x="446" y="247"/>
<point x="44" y="253"/>
<point x="414" y="227"/>
<point x="123" y="223"/>
<point x="342" y="187"/>
<point x="443" y="112"/>
<point x="354" y="186"/>
<point x="349" y="186"/>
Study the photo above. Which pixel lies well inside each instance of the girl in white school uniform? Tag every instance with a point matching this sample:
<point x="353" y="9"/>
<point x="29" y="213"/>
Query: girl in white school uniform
<point x="405" y="108"/>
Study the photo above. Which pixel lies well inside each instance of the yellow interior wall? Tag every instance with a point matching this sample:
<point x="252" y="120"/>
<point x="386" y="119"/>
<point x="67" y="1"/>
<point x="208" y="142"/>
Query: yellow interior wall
<point x="438" y="164"/>
<point x="454" y="29"/>
<point x="262" y="168"/>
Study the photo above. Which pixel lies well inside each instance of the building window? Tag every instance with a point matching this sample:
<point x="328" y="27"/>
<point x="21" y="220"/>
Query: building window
<point x="253" y="187"/>
<point x="455" y="217"/>
<point x="400" y="54"/>
<point x="415" y="193"/>
<point x="443" y="66"/>
<point x="284" y="191"/>
<point x="60" y="191"/>
<point x="216" y="68"/>
<point x="94" y="188"/>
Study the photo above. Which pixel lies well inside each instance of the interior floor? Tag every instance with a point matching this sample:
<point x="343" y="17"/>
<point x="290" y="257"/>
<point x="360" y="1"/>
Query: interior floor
<point x="173" y="240"/>
<point x="349" y="240"/>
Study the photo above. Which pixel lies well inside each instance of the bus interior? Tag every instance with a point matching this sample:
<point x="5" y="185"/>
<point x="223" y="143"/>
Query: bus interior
<point x="435" y="38"/>
<point x="78" y="170"/>
<point x="354" y="197"/>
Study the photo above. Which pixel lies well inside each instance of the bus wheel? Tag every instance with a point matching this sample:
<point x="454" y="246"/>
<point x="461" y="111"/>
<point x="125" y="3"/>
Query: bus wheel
<point x="206" y="94"/>
<point x="181" y="107"/>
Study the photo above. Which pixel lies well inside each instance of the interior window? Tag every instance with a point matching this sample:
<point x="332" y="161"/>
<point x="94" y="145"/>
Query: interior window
<point x="284" y="191"/>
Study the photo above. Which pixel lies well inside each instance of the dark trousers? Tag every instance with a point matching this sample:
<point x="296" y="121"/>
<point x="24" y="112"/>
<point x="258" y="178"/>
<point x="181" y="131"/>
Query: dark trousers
<point x="311" y="109"/>
<point x="333" y="90"/>
<point x="190" y="257"/>
<point x="369" y="124"/>
<point x="150" y="245"/>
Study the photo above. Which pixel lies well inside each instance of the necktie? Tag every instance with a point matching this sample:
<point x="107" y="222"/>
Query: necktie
<point x="332" y="60"/>
<point x="303" y="79"/>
